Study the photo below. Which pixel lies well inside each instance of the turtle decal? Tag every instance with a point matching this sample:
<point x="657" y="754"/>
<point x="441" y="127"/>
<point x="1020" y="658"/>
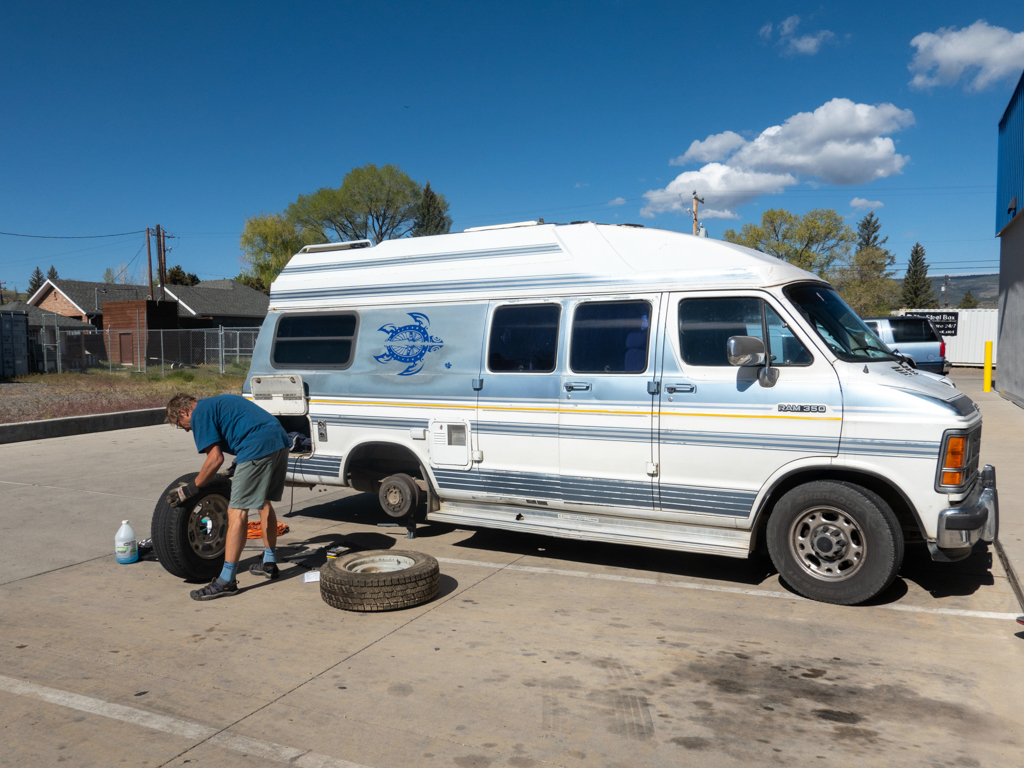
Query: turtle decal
<point x="409" y="344"/>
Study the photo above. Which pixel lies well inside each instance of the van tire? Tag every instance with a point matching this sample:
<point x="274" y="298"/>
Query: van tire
<point x="189" y="539"/>
<point x="835" y="542"/>
<point x="357" y="582"/>
<point x="399" y="495"/>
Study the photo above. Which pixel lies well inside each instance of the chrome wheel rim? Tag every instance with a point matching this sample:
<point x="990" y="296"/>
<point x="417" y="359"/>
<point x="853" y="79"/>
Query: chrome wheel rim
<point x="827" y="543"/>
<point x="208" y="527"/>
<point x="382" y="563"/>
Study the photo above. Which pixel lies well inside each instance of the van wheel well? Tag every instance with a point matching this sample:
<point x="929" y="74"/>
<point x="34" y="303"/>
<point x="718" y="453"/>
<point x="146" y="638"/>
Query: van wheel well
<point x="912" y="531"/>
<point x="370" y="463"/>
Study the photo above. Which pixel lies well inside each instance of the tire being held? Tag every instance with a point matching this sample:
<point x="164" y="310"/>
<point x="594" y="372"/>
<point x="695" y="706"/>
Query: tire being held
<point x="189" y="539"/>
<point x="835" y="542"/>
<point x="379" y="580"/>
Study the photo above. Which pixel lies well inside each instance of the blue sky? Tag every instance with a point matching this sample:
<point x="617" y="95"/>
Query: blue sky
<point x="118" y="116"/>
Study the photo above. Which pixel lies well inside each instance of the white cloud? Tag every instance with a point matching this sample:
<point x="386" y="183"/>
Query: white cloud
<point x="991" y="53"/>
<point x="581" y="185"/>
<point x="723" y="187"/>
<point x="617" y="201"/>
<point x="861" y="204"/>
<point x="809" y="44"/>
<point x="715" y="147"/>
<point x="765" y="33"/>
<point x="840" y="143"/>
<point x="788" y="26"/>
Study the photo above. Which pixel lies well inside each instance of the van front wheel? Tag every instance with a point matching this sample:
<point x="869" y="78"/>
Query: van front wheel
<point x="835" y="542"/>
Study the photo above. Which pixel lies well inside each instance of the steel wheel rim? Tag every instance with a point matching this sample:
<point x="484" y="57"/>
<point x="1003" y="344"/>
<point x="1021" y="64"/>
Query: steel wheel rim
<point x="208" y="527"/>
<point x="382" y="563"/>
<point x="827" y="543"/>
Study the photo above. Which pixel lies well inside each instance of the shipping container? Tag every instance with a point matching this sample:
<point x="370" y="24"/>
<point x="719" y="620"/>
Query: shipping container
<point x="13" y="344"/>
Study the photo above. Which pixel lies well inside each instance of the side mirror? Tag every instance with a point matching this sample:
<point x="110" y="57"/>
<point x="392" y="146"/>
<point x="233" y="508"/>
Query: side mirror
<point x="745" y="350"/>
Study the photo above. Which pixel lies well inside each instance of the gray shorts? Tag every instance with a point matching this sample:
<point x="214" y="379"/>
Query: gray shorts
<point x="258" y="481"/>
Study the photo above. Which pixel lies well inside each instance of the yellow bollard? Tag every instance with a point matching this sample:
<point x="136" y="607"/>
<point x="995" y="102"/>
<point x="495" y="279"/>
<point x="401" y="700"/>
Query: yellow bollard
<point x="988" y="367"/>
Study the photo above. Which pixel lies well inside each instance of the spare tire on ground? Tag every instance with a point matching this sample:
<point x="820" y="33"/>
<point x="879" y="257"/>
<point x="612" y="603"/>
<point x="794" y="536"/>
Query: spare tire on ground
<point x="189" y="539"/>
<point x="379" y="580"/>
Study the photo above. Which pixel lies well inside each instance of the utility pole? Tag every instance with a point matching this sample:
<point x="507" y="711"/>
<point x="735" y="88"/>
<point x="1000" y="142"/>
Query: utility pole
<point x="2" y="292"/>
<point x="149" y="260"/>
<point x="696" y="226"/>
<point x="945" y="290"/>
<point x="160" y="260"/>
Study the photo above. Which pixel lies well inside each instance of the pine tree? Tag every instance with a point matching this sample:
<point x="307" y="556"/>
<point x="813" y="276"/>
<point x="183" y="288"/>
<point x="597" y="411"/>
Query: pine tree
<point x="917" y="288"/>
<point x="52" y="273"/>
<point x="178" y="276"/>
<point x="35" y="281"/>
<point x="968" y="301"/>
<point x="432" y="215"/>
<point x="867" y="232"/>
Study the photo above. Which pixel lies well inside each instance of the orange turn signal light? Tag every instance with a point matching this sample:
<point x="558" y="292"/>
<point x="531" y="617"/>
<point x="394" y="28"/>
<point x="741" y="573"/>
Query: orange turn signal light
<point x="952" y="478"/>
<point x="956" y="454"/>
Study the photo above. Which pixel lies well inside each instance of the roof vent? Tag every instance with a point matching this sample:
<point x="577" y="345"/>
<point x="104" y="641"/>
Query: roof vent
<point x="1012" y="207"/>
<point x="337" y="246"/>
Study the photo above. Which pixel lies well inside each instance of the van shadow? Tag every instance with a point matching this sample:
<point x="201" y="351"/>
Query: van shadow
<point x="948" y="579"/>
<point x="365" y="509"/>
<point x="750" y="571"/>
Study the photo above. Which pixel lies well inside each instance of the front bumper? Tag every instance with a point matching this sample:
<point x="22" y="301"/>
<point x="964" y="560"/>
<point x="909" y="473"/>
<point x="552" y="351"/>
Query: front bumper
<point x="977" y="519"/>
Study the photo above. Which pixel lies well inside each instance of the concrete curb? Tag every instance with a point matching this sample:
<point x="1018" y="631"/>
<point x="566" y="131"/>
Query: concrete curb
<point x="80" y="425"/>
<point x="1010" y="574"/>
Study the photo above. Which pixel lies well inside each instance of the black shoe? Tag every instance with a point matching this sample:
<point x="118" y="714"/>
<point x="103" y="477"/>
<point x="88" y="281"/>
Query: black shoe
<point x="267" y="570"/>
<point x="215" y="589"/>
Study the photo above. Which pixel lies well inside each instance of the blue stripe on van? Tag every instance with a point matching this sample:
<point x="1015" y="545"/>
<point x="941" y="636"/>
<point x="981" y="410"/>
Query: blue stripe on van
<point x="903" y="449"/>
<point x="593" y="490"/>
<point x="544" y="249"/>
<point x="322" y="466"/>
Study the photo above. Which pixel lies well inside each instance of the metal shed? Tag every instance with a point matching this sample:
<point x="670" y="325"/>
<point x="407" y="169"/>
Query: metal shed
<point x="13" y="344"/>
<point x="1010" y="231"/>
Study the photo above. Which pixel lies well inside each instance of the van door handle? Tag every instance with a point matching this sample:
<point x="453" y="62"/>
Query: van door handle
<point x="673" y="388"/>
<point x="576" y="386"/>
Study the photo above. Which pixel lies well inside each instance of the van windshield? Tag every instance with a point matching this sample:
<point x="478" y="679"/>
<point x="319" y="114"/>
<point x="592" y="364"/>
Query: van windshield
<point x="837" y="324"/>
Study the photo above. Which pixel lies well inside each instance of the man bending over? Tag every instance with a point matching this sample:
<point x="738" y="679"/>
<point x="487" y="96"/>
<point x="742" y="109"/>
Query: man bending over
<point x="232" y="424"/>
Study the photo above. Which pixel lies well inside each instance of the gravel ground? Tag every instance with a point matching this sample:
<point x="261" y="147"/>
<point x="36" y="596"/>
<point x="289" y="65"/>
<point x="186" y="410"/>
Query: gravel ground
<point x="54" y="396"/>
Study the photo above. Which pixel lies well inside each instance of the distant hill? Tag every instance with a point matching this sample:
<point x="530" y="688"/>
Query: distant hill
<point x="984" y="287"/>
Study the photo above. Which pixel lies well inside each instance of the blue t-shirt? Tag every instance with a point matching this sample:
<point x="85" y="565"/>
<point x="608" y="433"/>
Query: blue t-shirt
<point x="239" y="426"/>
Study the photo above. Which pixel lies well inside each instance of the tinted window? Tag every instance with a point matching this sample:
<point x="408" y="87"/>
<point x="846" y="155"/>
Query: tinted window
<point x="837" y="325"/>
<point x="911" y="329"/>
<point x="314" y="341"/>
<point x="610" y="337"/>
<point x="783" y="346"/>
<point x="524" y="338"/>
<point x="705" y="326"/>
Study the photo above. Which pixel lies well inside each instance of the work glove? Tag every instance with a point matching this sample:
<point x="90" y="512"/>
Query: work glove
<point x="181" y="493"/>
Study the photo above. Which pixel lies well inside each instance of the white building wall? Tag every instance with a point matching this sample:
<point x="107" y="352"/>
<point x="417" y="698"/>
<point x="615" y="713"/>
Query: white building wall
<point x="974" y="328"/>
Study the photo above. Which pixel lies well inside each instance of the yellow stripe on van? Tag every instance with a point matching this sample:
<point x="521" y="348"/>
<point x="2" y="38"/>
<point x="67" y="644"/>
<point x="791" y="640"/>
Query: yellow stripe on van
<point x="645" y="412"/>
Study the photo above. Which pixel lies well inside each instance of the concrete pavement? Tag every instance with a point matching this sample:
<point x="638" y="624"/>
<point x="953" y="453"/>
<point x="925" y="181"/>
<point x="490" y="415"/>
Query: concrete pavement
<point x="536" y="652"/>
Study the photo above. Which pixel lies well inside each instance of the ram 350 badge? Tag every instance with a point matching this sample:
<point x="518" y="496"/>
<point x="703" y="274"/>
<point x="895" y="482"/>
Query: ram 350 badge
<point x="790" y="408"/>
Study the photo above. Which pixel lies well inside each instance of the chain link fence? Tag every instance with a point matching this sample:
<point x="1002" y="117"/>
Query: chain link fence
<point x="221" y="350"/>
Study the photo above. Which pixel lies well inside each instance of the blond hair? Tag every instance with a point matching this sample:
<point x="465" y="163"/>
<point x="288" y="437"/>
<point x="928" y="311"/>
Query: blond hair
<point x="179" y="404"/>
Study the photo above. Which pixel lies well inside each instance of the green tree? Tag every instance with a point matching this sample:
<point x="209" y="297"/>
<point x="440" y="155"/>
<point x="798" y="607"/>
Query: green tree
<point x="867" y="232"/>
<point x="372" y="203"/>
<point x="253" y="282"/>
<point x="51" y="274"/>
<point x="35" y="281"/>
<point x="178" y="276"/>
<point x="109" y="276"/>
<point x="917" y="290"/>
<point x="968" y="301"/>
<point x="865" y="281"/>
<point x="815" y="241"/>
<point x="431" y="215"/>
<point x="268" y="242"/>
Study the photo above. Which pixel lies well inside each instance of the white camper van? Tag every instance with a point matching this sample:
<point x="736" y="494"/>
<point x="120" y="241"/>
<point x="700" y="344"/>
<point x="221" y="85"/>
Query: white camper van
<point x="622" y="384"/>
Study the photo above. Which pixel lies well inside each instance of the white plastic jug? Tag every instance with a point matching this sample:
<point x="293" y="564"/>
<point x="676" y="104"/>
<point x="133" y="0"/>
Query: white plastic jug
<point x="125" y="546"/>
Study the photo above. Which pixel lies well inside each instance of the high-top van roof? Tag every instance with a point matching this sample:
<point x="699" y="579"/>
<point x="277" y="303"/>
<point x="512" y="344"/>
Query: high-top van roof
<point x="522" y="262"/>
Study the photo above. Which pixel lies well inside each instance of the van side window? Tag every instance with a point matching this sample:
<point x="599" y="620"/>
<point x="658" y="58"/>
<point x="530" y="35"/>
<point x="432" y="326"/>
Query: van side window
<point x="314" y="341"/>
<point x="705" y="326"/>
<point x="783" y="346"/>
<point x="524" y="338"/>
<point x="906" y="330"/>
<point x="610" y="337"/>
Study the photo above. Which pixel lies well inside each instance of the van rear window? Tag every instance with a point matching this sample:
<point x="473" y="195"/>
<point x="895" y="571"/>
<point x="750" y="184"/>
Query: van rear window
<point x="524" y="338"/>
<point x="314" y="341"/>
<point x="906" y="330"/>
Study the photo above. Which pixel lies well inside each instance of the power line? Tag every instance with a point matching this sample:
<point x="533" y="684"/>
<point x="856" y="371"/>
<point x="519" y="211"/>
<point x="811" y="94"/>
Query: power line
<point x="73" y="237"/>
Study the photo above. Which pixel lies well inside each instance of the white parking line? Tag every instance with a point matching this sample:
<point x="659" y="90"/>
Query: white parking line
<point x="194" y="731"/>
<point x="715" y="588"/>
